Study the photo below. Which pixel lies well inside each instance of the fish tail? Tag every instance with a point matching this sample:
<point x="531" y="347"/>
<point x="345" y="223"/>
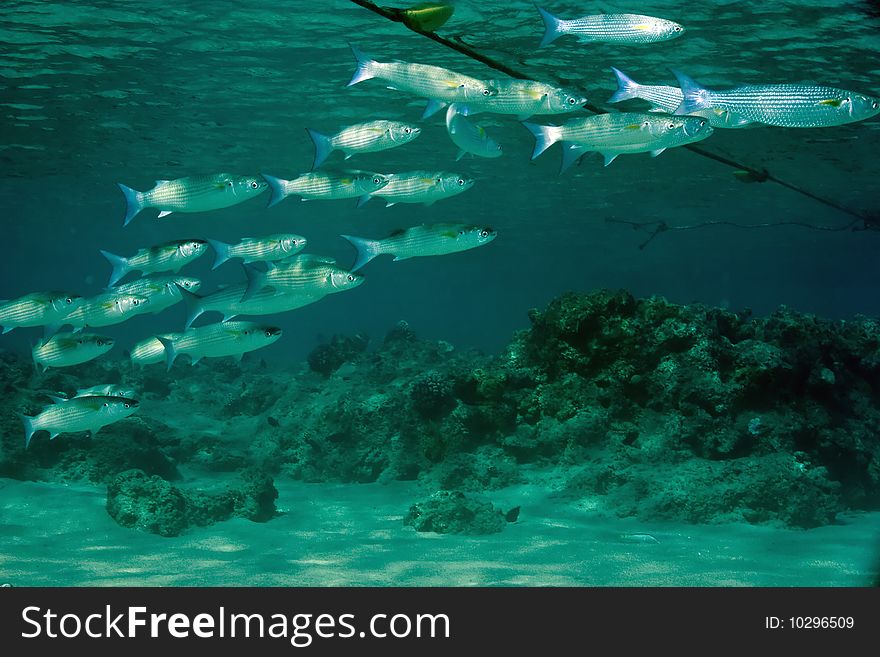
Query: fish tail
<point x="278" y="187"/>
<point x="120" y="267"/>
<point x="221" y="251"/>
<point x="255" y="281"/>
<point x="365" y="64"/>
<point x="696" y="97"/>
<point x="432" y="107"/>
<point x="29" y="429"/>
<point x="193" y="303"/>
<point x="553" y="27"/>
<point x="323" y="147"/>
<point x="134" y="203"/>
<point x="170" y="351"/>
<point x="626" y="87"/>
<point x="545" y="136"/>
<point x="6" y="329"/>
<point x="366" y="250"/>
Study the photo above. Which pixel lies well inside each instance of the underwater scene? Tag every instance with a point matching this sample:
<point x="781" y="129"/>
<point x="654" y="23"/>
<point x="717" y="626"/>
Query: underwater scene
<point x="450" y="293"/>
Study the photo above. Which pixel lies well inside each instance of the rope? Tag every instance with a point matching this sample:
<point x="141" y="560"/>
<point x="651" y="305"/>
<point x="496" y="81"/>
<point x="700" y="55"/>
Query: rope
<point x="755" y="175"/>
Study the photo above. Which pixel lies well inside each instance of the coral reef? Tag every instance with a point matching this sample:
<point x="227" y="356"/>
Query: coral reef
<point x="651" y="409"/>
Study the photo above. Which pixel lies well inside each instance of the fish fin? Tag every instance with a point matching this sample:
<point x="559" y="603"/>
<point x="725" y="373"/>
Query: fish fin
<point x="657" y="110"/>
<point x="396" y="258"/>
<point x="57" y="399"/>
<point x="227" y="318"/>
<point x="831" y="102"/>
<point x="164" y="213"/>
<point x="365" y="66"/>
<point x="221" y="251"/>
<point x="54" y="434"/>
<point x="695" y="97"/>
<point x="571" y="153"/>
<point x="170" y="351"/>
<point x="626" y="87"/>
<point x="278" y="187"/>
<point x="553" y="27"/>
<point x="545" y="136"/>
<point x="255" y="282"/>
<point x="7" y="329"/>
<point x="428" y="204"/>
<point x="524" y="117"/>
<point x="461" y="154"/>
<point x="161" y="182"/>
<point x="390" y="203"/>
<point x="29" y="429"/>
<point x="193" y="303"/>
<point x="195" y="360"/>
<point x="134" y="203"/>
<point x="609" y="157"/>
<point x="432" y="108"/>
<point x="366" y="250"/>
<point x="238" y="357"/>
<point x="657" y="151"/>
<point x="323" y="147"/>
<point x="363" y="200"/>
<point x="120" y="267"/>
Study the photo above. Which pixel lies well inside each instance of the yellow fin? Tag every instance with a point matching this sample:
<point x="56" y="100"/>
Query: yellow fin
<point x="426" y="181"/>
<point x="346" y="181"/>
<point x="633" y="126"/>
<point x="833" y="102"/>
<point x="642" y="26"/>
<point x="448" y="233"/>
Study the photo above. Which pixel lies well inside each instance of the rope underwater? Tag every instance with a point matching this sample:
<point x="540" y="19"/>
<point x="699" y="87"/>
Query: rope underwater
<point x="750" y="173"/>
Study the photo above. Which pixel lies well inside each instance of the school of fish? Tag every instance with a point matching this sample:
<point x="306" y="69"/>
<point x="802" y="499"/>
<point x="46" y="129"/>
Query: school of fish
<point x="284" y="278"/>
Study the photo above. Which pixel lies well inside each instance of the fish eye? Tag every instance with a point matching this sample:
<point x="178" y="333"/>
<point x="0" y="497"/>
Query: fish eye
<point x="377" y="180"/>
<point x="646" y="124"/>
<point x="461" y="181"/>
<point x="351" y="277"/>
<point x="136" y="302"/>
<point x="254" y="184"/>
<point x="106" y="404"/>
<point x="671" y="126"/>
<point x="486" y="92"/>
<point x="875" y="104"/>
<point x="461" y="232"/>
<point x="484" y="233"/>
<point x="229" y="183"/>
<point x="677" y="28"/>
<point x="127" y="405"/>
<point x="572" y="101"/>
<point x="69" y="301"/>
<point x="268" y="334"/>
<point x="407" y="130"/>
<point x="702" y="123"/>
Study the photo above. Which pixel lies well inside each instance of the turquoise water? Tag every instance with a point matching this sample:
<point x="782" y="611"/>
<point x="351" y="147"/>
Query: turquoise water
<point x="93" y="94"/>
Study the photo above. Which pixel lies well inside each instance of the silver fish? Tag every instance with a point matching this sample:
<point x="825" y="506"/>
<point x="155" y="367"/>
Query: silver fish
<point x="253" y="249"/>
<point x="318" y="185"/>
<point x="307" y="276"/>
<point x="150" y="350"/>
<point x="106" y="309"/>
<point x="611" y="28"/>
<point x="368" y="137"/>
<point x="784" y="105"/>
<point x="424" y="240"/>
<point x="668" y="99"/>
<point x="67" y="349"/>
<point x="468" y="136"/>
<point x="421" y="187"/>
<point x="421" y="79"/>
<point x="106" y="390"/>
<point x="38" y="309"/>
<point x="614" y="134"/>
<point x="525" y="98"/>
<point x="218" y="340"/>
<point x="89" y="413"/>
<point x="170" y="256"/>
<point x="161" y="292"/>
<point x="192" y="194"/>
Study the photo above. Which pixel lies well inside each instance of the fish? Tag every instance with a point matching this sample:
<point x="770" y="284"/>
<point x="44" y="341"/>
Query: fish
<point x="106" y="309"/>
<point x="170" y="256"/>
<point x="420" y="187"/>
<point x="317" y="185"/>
<point x="614" y="134"/>
<point x="610" y="28"/>
<point x="38" y="309"/>
<point x="368" y="137"/>
<point x="67" y="349"/>
<point x="468" y="136"/>
<point x="422" y="80"/>
<point x="89" y="413"/>
<point x="424" y="240"/>
<point x="308" y="276"/>
<point x="253" y="249"/>
<point x="524" y="98"/>
<point x="161" y="292"/>
<point x="218" y="340"/>
<point x="106" y="390"/>
<point x="151" y="350"/>
<point x="668" y="99"/>
<point x="782" y="105"/>
<point x="192" y="194"/>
